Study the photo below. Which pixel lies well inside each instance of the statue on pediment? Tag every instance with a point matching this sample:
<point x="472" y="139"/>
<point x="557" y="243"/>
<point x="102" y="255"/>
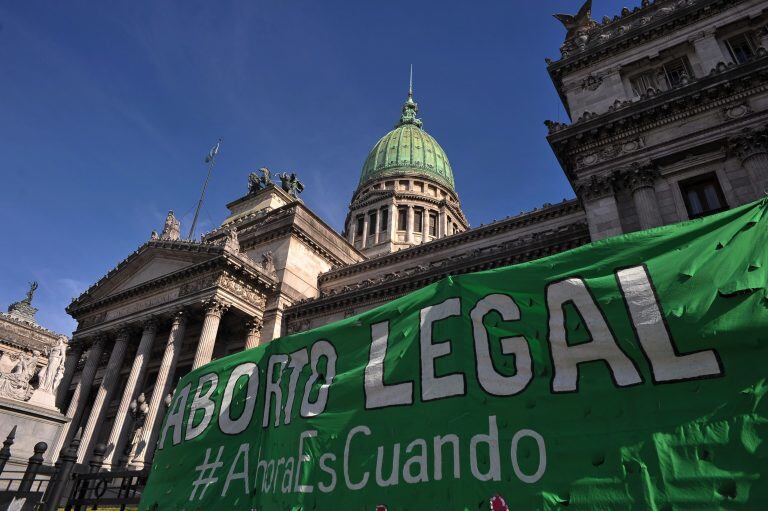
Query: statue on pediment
<point x="172" y="228"/>
<point x="256" y="182"/>
<point x="578" y="24"/>
<point x="231" y="241"/>
<point x="291" y="184"/>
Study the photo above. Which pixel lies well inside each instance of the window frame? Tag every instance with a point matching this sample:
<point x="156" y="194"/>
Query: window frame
<point x="750" y="44"/>
<point x="686" y="65"/>
<point x="402" y="218"/>
<point x="418" y="225"/>
<point x="697" y="184"/>
<point x="372" y="223"/>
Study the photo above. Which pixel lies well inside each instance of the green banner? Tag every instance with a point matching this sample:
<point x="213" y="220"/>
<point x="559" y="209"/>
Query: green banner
<point x="626" y="374"/>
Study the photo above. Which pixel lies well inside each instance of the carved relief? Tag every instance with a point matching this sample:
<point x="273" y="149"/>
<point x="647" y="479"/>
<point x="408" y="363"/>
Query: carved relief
<point x="194" y="286"/>
<point x="609" y="152"/>
<point x="736" y="111"/>
<point x="591" y="82"/>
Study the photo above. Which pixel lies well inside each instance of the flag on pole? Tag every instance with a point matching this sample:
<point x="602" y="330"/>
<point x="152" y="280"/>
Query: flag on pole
<point x="213" y="152"/>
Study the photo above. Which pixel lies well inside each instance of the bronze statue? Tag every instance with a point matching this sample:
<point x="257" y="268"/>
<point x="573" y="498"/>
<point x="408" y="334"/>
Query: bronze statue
<point x="291" y="184"/>
<point x="581" y="22"/>
<point x="31" y="292"/>
<point x="256" y="182"/>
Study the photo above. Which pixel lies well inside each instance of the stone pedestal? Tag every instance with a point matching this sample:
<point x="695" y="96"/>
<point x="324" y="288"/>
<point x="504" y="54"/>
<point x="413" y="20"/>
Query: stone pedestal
<point x="35" y="424"/>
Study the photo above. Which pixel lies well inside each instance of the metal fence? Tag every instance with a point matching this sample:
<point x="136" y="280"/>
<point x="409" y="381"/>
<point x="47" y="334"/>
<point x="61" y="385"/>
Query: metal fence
<point x="66" y="484"/>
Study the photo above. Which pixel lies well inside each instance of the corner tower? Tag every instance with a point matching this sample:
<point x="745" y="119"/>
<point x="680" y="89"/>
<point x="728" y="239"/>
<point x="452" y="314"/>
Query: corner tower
<point x="406" y="195"/>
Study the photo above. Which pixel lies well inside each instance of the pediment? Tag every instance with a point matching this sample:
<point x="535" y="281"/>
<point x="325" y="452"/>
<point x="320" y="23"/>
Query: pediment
<point x="149" y="264"/>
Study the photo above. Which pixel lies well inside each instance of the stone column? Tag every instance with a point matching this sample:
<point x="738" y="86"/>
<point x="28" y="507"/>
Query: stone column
<point x="117" y="436"/>
<point x="163" y="381"/>
<point x="80" y="397"/>
<point x="377" y="227"/>
<point x="597" y="196"/>
<point x="364" y="241"/>
<point x="409" y="232"/>
<point x="393" y="223"/>
<point x="640" y="183"/>
<point x="103" y="395"/>
<point x="74" y="352"/>
<point x="442" y="228"/>
<point x="214" y="309"/>
<point x="752" y="149"/>
<point x="253" y="333"/>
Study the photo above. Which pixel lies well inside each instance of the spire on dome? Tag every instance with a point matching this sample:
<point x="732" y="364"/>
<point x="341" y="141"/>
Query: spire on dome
<point x="410" y="107"/>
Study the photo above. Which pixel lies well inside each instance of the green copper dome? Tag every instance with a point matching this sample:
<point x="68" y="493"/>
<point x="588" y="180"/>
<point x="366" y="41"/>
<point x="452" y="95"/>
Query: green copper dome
<point x="408" y="150"/>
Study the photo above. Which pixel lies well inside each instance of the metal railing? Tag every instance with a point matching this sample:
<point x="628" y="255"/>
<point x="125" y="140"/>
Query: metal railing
<point x="78" y="487"/>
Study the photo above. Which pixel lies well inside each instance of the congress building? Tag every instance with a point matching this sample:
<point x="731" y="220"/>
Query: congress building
<point x="669" y="106"/>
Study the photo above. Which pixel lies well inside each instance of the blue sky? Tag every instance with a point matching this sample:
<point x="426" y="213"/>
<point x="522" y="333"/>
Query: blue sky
<point x="108" y="108"/>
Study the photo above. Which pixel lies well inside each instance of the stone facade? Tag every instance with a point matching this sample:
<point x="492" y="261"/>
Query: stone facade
<point x="669" y="102"/>
<point x="670" y="106"/>
<point x="32" y="362"/>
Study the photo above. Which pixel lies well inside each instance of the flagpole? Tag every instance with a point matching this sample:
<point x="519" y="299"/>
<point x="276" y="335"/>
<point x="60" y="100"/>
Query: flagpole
<point x="211" y="159"/>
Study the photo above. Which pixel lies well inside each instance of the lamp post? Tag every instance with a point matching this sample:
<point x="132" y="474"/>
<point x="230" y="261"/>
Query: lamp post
<point x="138" y="411"/>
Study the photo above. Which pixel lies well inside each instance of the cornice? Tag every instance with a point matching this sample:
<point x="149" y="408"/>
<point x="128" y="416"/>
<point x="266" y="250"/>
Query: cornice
<point x="724" y="86"/>
<point x="229" y="263"/>
<point x="545" y="213"/>
<point x="633" y="29"/>
<point x="391" y="285"/>
<point x="256" y="228"/>
<point x="31" y="326"/>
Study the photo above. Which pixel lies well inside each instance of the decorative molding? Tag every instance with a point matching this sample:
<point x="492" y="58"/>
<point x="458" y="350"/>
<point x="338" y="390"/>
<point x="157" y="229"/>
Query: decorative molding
<point x="215" y="306"/>
<point x="749" y="142"/>
<point x="393" y="284"/>
<point x="715" y="91"/>
<point x="632" y="28"/>
<point x="609" y="152"/>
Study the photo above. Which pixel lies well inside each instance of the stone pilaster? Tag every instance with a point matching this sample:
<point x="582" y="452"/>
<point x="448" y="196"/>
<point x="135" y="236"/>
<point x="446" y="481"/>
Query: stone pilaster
<point x="598" y="196"/>
<point x="80" y="396"/>
<point x="214" y="309"/>
<point x="103" y="395"/>
<point x="154" y="419"/>
<point x="708" y="50"/>
<point x="253" y="333"/>
<point x="117" y="436"/>
<point x="640" y="181"/>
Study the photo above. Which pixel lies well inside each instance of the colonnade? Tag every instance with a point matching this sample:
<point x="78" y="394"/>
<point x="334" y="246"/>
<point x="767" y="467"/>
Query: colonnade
<point x="142" y="453"/>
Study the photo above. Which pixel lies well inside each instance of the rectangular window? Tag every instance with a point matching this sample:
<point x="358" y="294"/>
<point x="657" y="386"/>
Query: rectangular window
<point x="418" y="220"/>
<point x="433" y="224"/>
<point x="641" y="83"/>
<point x="676" y="71"/>
<point x="703" y="195"/>
<point x="384" y="219"/>
<point x="402" y="219"/>
<point x="360" y="222"/>
<point x="371" y="223"/>
<point x="741" y="47"/>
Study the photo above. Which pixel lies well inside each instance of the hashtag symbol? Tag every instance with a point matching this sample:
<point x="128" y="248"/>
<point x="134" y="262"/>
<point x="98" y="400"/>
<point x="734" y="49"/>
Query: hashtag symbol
<point x="206" y="473"/>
